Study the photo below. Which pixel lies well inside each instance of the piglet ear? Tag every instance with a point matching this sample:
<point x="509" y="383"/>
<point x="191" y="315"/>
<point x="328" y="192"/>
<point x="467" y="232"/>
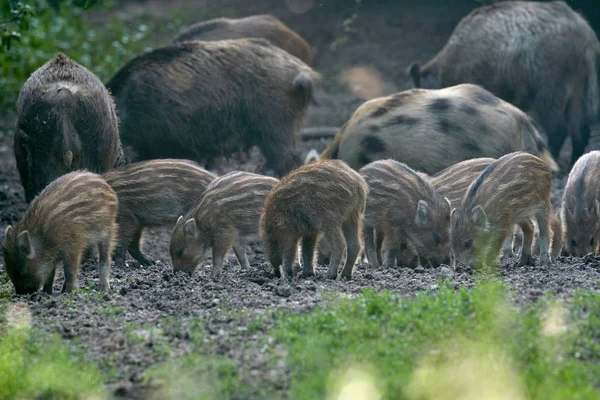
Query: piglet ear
<point x="25" y="245"/>
<point x="189" y="229"/>
<point x="479" y="218"/>
<point x="7" y="232"/>
<point x="179" y="220"/>
<point x="448" y="201"/>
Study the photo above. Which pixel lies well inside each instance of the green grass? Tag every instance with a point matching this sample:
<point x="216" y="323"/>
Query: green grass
<point x="35" y="365"/>
<point x="440" y="344"/>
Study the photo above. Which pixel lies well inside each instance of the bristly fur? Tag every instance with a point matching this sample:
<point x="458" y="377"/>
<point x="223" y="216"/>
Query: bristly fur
<point x="66" y="120"/>
<point x="430" y="130"/>
<point x="321" y="199"/>
<point x="73" y="212"/>
<point x="214" y="98"/>
<point x="153" y="194"/>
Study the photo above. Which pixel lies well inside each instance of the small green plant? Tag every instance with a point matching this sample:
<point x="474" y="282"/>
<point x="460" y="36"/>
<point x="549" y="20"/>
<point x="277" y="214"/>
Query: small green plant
<point x="348" y="29"/>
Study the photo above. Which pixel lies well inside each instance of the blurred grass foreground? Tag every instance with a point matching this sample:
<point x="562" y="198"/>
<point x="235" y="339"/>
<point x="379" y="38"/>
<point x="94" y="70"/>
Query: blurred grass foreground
<point x="449" y="344"/>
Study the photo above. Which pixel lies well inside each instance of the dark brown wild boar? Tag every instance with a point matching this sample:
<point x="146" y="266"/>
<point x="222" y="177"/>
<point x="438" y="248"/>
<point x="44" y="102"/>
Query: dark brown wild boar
<point x="513" y="190"/>
<point x="200" y="100"/>
<point x="74" y="211"/>
<point x="263" y="26"/>
<point x="430" y="130"/>
<point x="323" y="198"/>
<point x="153" y="194"/>
<point x="66" y="121"/>
<point x="411" y="216"/>
<point x="225" y="216"/>
<point x="580" y="207"/>
<point x="543" y="57"/>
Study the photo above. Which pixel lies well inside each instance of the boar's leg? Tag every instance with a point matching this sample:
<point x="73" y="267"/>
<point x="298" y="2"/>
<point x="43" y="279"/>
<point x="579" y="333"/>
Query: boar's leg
<point x="50" y="281"/>
<point x="370" y="249"/>
<point x="308" y="254"/>
<point x="322" y="258"/>
<point x="280" y="153"/>
<point x="550" y="115"/>
<point x="579" y="141"/>
<point x="127" y="228"/>
<point x="544" y="236"/>
<point x="289" y="250"/>
<point x="389" y="250"/>
<point x="525" y="258"/>
<point x="351" y="231"/>
<point x="507" y="244"/>
<point x="239" y="248"/>
<point x="338" y="244"/>
<point x="104" y="251"/>
<point x="378" y="245"/>
<point x="71" y="269"/>
<point x="135" y="248"/>
<point x="219" y="250"/>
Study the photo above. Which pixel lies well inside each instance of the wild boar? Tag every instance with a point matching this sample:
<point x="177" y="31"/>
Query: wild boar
<point x="580" y="211"/>
<point x="263" y="26"/>
<point x="153" y="194"/>
<point x="74" y="211"/>
<point x="453" y="182"/>
<point x="430" y="130"/>
<point x="324" y="198"/>
<point x="513" y="190"/>
<point x="543" y="57"/>
<point x="200" y="100"/>
<point x="225" y="216"/>
<point x="411" y="216"/>
<point x="66" y="121"/>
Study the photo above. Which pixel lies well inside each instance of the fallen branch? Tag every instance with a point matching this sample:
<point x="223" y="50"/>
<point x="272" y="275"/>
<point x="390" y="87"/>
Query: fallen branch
<point x="318" y="132"/>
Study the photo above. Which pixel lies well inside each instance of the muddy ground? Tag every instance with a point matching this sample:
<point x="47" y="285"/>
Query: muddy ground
<point x="127" y="331"/>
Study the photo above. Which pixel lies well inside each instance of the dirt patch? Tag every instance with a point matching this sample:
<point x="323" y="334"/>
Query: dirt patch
<point x="128" y="330"/>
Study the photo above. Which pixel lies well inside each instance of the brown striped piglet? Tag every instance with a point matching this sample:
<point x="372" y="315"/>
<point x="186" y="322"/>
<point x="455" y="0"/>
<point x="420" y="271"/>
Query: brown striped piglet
<point x="225" y="216"/>
<point x="74" y="211"/>
<point x="153" y="194"/>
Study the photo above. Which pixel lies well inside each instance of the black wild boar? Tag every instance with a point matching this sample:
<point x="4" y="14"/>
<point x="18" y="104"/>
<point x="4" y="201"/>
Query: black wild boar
<point x="263" y="26"/>
<point x="581" y="207"/>
<point x="321" y="198"/>
<point x="543" y="57"/>
<point x="409" y="214"/>
<point x="430" y="130"/>
<point x="225" y="216"/>
<point x="153" y="194"/>
<point x="200" y="100"/>
<point x="66" y="120"/>
<point x="513" y="190"/>
<point x="74" y="211"/>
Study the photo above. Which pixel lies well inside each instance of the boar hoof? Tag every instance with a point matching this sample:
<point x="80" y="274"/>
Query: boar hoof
<point x="104" y="287"/>
<point x="544" y="261"/>
<point x="524" y="261"/>
<point x="145" y="261"/>
<point x="308" y="274"/>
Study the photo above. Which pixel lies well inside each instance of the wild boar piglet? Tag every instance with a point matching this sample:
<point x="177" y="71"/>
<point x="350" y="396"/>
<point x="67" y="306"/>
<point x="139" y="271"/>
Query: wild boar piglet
<point x="322" y="199"/>
<point x="513" y="190"/>
<point x="226" y="215"/>
<point x="73" y="212"/>
<point x="153" y="194"/>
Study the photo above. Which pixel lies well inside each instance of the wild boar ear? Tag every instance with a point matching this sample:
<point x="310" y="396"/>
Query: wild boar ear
<point x="479" y="217"/>
<point x="422" y="213"/>
<point x="448" y="201"/>
<point x="414" y="71"/>
<point x="189" y="229"/>
<point x="7" y="232"/>
<point x="25" y="245"/>
<point x="68" y="159"/>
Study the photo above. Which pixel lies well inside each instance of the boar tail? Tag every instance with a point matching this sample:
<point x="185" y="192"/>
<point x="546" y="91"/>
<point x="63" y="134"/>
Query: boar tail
<point x="303" y="88"/>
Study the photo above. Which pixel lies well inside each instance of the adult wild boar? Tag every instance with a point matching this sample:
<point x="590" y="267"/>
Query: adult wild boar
<point x="263" y="26"/>
<point x="66" y="121"/>
<point x="543" y="57"/>
<point x="430" y="130"/>
<point x="200" y="100"/>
